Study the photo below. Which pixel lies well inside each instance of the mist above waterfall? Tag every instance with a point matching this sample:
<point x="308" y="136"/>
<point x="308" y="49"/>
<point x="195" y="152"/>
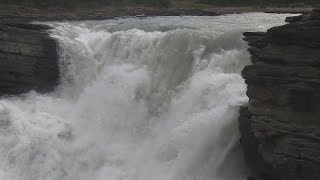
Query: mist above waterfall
<point x="139" y="99"/>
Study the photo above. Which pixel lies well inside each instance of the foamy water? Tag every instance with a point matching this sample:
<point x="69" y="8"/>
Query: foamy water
<point x="139" y="99"/>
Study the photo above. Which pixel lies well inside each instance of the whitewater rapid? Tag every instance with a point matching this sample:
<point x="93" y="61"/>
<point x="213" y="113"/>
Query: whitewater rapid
<point x="139" y="99"/>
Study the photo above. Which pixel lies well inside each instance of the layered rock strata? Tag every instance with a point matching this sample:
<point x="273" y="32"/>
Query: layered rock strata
<point x="280" y="127"/>
<point x="28" y="58"/>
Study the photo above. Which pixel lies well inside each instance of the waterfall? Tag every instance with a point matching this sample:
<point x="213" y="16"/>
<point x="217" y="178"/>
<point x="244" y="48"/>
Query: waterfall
<point x="139" y="99"/>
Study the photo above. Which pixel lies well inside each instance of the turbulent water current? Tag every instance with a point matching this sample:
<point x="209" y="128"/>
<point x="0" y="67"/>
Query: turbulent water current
<point x="152" y="98"/>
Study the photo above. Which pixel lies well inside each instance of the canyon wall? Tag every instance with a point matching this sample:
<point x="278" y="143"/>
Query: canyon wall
<point x="28" y="58"/>
<point x="280" y="127"/>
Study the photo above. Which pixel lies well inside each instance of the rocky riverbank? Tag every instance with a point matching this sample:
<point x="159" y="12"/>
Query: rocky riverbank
<point x="280" y="126"/>
<point x="33" y="14"/>
<point x="28" y="58"/>
<point x="106" y="14"/>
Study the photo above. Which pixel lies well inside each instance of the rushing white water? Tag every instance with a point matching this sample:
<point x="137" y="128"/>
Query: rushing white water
<point x="140" y="99"/>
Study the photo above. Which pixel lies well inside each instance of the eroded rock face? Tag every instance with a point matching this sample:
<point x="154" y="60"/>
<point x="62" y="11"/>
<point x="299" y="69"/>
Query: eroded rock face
<point x="28" y="58"/>
<point x="281" y="126"/>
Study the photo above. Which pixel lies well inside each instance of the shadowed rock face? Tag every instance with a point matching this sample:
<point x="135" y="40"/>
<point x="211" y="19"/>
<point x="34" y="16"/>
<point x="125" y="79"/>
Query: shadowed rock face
<point x="281" y="126"/>
<point x="28" y="58"/>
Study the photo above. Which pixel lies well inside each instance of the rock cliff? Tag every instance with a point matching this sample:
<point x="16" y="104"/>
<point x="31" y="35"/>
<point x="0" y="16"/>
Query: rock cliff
<point x="280" y="127"/>
<point x="28" y="58"/>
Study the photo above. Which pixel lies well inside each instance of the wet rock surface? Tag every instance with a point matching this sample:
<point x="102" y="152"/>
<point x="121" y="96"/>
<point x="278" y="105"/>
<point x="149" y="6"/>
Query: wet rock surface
<point x="28" y="58"/>
<point x="280" y="127"/>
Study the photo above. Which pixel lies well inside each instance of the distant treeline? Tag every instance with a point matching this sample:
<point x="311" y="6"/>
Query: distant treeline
<point x="163" y="3"/>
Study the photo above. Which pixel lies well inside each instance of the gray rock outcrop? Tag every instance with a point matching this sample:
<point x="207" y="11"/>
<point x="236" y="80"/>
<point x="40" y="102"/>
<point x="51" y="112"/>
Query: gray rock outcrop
<point x="280" y="127"/>
<point x="28" y="58"/>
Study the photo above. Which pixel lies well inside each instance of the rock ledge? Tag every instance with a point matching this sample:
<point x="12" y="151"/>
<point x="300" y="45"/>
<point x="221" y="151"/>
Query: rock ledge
<point x="280" y="127"/>
<point x="28" y="58"/>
